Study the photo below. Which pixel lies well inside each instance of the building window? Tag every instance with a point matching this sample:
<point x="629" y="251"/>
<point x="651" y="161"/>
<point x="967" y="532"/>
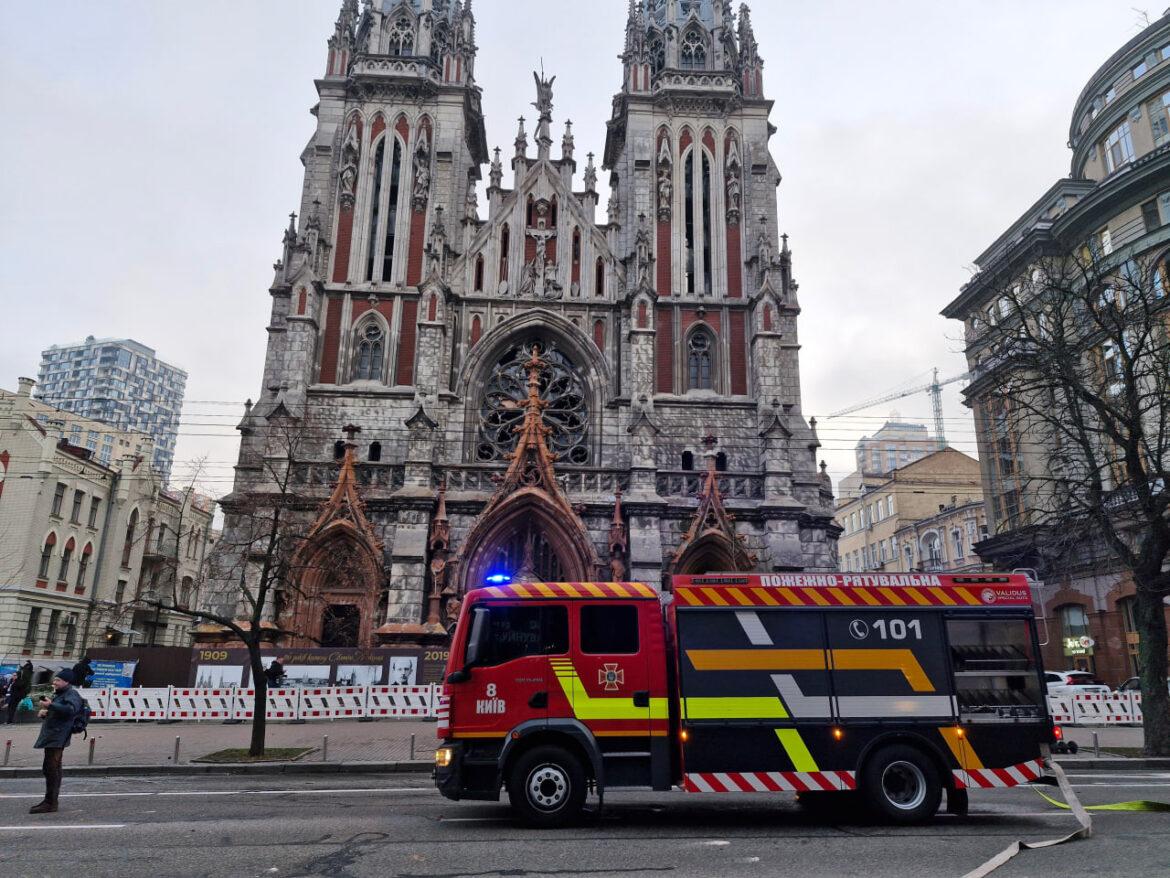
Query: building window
<point x="95" y="504"/>
<point x="689" y="219"/>
<point x="1159" y="111"/>
<point x="120" y="592"/>
<point x="721" y="462"/>
<point x="931" y="549"/>
<point x="128" y="544"/>
<point x="700" y="374"/>
<point x="693" y="52"/>
<point x="185" y="590"/>
<point x="1118" y="148"/>
<point x="32" y="629"/>
<point x="75" y="514"/>
<point x="368" y="354"/>
<point x="66" y="560"/>
<point x="599" y="278"/>
<point x="46" y="556"/>
<point x="58" y="500"/>
<point x="70" y="633"/>
<point x="957" y="543"/>
<point x="657" y="52"/>
<point x="505" y="241"/>
<point x="54" y="626"/>
<point x="83" y="565"/>
<point x="390" y="234"/>
<point x="478" y="283"/>
<point x="891" y="458"/>
<point x="401" y="38"/>
<point x="890" y="505"/>
<point x="706" y="214"/>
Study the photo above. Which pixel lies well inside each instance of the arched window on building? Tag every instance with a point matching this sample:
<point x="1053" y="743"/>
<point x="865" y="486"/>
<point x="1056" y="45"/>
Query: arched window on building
<point x="931" y="550"/>
<point x="128" y="544"/>
<point x="375" y="452"/>
<point x="721" y="462"/>
<point x="599" y="278"/>
<point x="384" y="211"/>
<point x="705" y="213"/>
<point x="185" y="590"/>
<point x="700" y="361"/>
<point x="656" y="50"/>
<point x="692" y="54"/>
<point x="689" y="220"/>
<point x="1074" y="624"/>
<point x="338" y="450"/>
<point x="83" y="565"/>
<point x="688" y="461"/>
<point x="438" y="42"/>
<point x="478" y="283"/>
<point x="66" y="561"/>
<point x="505" y="243"/>
<point x="401" y="37"/>
<point x="46" y="556"/>
<point x="369" y="352"/>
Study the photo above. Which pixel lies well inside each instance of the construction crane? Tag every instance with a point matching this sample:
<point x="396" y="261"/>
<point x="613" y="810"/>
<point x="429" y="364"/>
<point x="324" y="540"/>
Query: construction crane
<point x="934" y="388"/>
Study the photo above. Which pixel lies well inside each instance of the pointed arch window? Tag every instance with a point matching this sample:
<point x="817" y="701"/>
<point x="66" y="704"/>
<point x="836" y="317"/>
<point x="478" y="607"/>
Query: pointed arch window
<point x="384" y="211"/>
<point x="693" y="52"/>
<point x="689" y="219"/>
<point x="46" y="556"/>
<point x="368" y="352"/>
<point x="657" y="52"/>
<point x="128" y="544"/>
<point x="505" y="242"/>
<point x="701" y="361"/>
<point x="338" y="450"/>
<point x="375" y="452"/>
<point x="401" y="40"/>
<point x="705" y="211"/>
<point x="66" y="560"/>
<point x="83" y="564"/>
<point x="599" y="278"/>
<point x="479" y="273"/>
<point x="697" y="230"/>
<point x="438" y="43"/>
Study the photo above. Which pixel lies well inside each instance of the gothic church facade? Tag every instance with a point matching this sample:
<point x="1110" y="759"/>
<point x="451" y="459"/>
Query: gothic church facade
<point x="547" y="386"/>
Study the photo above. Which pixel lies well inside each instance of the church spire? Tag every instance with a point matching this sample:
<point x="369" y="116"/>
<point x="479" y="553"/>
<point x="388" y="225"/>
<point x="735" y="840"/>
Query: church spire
<point x="341" y="44"/>
<point x="750" y="63"/>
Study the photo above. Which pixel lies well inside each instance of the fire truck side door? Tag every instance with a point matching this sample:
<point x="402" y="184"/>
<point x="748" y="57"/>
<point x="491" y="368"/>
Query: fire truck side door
<point x="611" y="680"/>
<point x="508" y="683"/>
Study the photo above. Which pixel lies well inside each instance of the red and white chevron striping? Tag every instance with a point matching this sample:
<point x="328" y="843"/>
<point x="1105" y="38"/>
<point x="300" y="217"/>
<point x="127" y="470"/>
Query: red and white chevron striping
<point x="1013" y="775"/>
<point x="769" y="781"/>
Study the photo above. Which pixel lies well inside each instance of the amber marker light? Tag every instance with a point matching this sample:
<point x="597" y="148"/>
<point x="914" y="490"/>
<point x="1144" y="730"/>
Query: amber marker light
<point x="443" y="757"/>
<point x="684" y="736"/>
<point x="960" y="732"/>
<point x="838" y="733"/>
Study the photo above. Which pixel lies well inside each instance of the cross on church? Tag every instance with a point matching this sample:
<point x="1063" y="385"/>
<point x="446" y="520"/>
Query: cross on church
<point x="350" y="430"/>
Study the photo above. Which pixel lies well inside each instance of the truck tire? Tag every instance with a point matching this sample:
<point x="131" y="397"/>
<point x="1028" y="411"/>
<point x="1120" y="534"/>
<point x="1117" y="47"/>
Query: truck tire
<point x="547" y="786"/>
<point x="901" y="784"/>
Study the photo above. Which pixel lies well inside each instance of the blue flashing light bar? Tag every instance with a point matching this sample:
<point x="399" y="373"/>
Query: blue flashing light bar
<point x="498" y="579"/>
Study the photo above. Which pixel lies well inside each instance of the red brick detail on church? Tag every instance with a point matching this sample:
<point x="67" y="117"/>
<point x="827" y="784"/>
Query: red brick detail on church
<point x="691" y="316"/>
<point x="4" y="458"/>
<point x="476" y="329"/>
<point x="529" y="249"/>
<point x="684" y="140"/>
<point x="414" y="259"/>
<point x="404" y="374"/>
<point x="599" y="334"/>
<point x="432" y="307"/>
<point x="767" y="318"/>
<point x="344" y="239"/>
<point x="664" y="252"/>
<point x="709" y="141"/>
<point x="664" y="356"/>
<point x="734" y="263"/>
<point x="378" y="127"/>
<point x="301" y="297"/>
<point x="332" y="340"/>
<point x="329" y="66"/>
<point x="402" y="128"/>
<point x="550" y="251"/>
<point x="642" y="316"/>
<point x="739" y="353"/>
<point x="575" y="255"/>
<point x="459" y="69"/>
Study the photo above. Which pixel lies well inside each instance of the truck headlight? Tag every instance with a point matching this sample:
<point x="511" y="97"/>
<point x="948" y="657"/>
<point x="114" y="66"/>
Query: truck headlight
<point x="443" y="757"/>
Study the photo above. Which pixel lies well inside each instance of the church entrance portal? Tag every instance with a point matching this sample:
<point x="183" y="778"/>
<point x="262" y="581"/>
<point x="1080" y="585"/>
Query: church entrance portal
<point x="341" y="626"/>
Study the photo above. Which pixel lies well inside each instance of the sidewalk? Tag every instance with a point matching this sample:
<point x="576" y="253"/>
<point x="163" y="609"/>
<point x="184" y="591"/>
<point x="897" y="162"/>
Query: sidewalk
<point x="152" y="743"/>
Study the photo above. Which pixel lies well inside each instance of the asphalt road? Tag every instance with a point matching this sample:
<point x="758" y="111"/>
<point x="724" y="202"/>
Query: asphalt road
<point x="354" y="826"/>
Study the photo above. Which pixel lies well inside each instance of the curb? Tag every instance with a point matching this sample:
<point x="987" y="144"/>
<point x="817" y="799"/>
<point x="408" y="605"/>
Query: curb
<point x="1115" y="762"/>
<point x="254" y="769"/>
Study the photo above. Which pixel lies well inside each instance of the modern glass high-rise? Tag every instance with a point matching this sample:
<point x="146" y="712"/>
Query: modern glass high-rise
<point x="120" y="382"/>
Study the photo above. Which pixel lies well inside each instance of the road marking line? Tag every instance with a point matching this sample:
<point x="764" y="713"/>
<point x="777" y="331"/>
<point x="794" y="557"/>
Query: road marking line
<point x="135" y="794"/>
<point x="63" y="827"/>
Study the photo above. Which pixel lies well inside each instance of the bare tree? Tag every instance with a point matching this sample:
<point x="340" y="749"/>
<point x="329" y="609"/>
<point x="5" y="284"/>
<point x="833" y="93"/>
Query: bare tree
<point x="255" y="568"/>
<point x="1077" y="418"/>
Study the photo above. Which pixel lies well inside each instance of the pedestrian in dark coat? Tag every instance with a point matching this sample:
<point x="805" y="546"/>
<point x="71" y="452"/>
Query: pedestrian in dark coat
<point x="82" y="672"/>
<point x="274" y="674"/>
<point x="58" y="714"/>
<point x="21" y="686"/>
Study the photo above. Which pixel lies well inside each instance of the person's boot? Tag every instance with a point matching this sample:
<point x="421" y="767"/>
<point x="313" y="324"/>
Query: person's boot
<point x="45" y="807"/>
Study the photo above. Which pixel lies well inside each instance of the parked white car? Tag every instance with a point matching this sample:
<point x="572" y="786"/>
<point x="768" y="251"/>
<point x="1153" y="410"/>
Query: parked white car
<point x="1073" y="683"/>
<point x="1134" y="684"/>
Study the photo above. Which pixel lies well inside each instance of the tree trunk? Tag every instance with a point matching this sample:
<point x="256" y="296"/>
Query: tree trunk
<point x="260" y="704"/>
<point x="1150" y="617"/>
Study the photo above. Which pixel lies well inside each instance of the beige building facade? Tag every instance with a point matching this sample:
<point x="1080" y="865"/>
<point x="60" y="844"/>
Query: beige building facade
<point x="926" y="515"/>
<point x="896" y="444"/>
<point x="83" y="542"/>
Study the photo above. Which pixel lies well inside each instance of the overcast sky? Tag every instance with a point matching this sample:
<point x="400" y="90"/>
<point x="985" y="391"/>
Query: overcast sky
<point x="150" y="161"/>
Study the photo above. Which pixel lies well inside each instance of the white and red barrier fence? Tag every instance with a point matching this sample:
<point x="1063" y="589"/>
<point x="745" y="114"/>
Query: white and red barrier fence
<point x="425" y="702"/>
<point x="290" y="704"/>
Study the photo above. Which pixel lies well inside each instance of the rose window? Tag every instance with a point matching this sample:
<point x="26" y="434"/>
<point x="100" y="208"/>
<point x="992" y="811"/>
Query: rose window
<point x="566" y="412"/>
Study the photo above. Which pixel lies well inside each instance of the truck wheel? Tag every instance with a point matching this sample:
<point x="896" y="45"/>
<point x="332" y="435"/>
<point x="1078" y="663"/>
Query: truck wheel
<point x="901" y="784"/>
<point x="547" y="786"/>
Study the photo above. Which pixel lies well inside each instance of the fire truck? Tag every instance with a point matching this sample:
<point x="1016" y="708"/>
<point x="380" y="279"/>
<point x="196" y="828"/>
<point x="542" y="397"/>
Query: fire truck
<point x="891" y="688"/>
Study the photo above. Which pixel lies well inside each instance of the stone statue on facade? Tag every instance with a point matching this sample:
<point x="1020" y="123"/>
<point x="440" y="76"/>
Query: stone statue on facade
<point x="642" y="257"/>
<point x="351" y="151"/>
<point x="544" y="86"/>
<point x="422" y="171"/>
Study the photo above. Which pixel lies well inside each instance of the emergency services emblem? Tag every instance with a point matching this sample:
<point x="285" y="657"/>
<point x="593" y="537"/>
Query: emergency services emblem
<point x="611" y="676"/>
<point x="988" y="596"/>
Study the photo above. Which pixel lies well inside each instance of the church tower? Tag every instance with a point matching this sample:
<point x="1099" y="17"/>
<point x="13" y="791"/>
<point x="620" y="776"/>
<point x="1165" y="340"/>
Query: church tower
<point x="530" y="390"/>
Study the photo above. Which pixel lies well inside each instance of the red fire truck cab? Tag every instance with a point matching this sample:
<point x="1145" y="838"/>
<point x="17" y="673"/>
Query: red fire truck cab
<point x="896" y="686"/>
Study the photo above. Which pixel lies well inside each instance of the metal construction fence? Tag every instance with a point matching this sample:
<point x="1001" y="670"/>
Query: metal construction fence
<point x="175" y="703"/>
<point x="423" y="702"/>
